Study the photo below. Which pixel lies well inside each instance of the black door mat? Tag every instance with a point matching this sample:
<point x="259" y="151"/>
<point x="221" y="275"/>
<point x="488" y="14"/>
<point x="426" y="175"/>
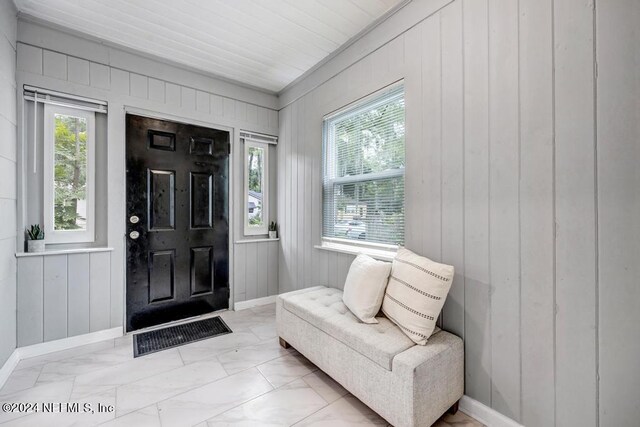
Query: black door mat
<point x="174" y="336"/>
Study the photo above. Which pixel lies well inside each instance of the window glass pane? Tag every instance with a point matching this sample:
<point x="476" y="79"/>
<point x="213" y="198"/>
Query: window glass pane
<point x="70" y="173"/>
<point x="364" y="171"/>
<point x="371" y="211"/>
<point x="255" y="164"/>
<point x="372" y="141"/>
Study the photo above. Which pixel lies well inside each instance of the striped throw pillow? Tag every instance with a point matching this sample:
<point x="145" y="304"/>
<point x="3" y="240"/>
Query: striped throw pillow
<point x="416" y="293"/>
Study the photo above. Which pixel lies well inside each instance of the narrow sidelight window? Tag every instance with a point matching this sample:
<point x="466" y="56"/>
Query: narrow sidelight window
<point x="69" y="168"/>
<point x="256" y="187"/>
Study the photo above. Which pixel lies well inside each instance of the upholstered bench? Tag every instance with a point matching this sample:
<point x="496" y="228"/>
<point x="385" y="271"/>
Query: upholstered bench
<point x="407" y="384"/>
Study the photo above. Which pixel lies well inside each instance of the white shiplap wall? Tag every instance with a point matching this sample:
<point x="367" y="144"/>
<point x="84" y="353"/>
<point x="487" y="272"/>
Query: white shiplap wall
<point x="8" y="120"/>
<point x="55" y="60"/>
<point x="520" y="172"/>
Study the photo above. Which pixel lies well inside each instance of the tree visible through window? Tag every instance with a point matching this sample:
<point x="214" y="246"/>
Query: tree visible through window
<point x="364" y="171"/>
<point x="70" y="173"/>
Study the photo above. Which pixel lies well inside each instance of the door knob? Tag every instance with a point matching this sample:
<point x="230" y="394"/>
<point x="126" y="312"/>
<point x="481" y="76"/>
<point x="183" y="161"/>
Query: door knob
<point x="134" y="235"/>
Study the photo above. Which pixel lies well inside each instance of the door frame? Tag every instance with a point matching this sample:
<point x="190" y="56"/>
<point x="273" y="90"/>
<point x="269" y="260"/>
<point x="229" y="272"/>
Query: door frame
<point x="233" y="136"/>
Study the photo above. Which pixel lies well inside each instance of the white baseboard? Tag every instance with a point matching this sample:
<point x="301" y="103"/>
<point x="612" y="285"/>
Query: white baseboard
<point x="40" y="349"/>
<point x="67" y="343"/>
<point x="8" y="367"/>
<point x="487" y="416"/>
<point x="243" y="305"/>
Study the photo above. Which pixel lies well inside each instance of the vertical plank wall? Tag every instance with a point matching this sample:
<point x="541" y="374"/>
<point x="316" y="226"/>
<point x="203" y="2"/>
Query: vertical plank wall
<point x="61" y="296"/>
<point x="477" y="298"/>
<point x="504" y="211"/>
<point x="8" y="165"/>
<point x="618" y="152"/>
<point x="537" y="274"/>
<point x="255" y="270"/>
<point x="575" y="209"/>
<point x="521" y="171"/>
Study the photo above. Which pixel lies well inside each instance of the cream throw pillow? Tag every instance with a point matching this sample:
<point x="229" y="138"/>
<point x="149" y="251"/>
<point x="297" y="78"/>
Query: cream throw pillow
<point x="364" y="287"/>
<point x="416" y="293"/>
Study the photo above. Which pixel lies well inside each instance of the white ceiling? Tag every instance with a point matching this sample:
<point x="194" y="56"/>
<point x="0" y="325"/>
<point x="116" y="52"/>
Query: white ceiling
<point x="262" y="43"/>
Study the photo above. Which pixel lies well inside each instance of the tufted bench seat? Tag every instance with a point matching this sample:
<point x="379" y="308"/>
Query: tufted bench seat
<point x="323" y="307"/>
<point x="407" y="384"/>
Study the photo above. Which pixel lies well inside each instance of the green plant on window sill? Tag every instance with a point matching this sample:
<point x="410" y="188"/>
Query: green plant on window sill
<point x="35" y="232"/>
<point x="273" y="230"/>
<point x="35" y="235"/>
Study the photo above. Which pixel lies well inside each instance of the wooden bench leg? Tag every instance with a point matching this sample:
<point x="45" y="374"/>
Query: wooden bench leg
<point x="284" y="344"/>
<point x="454" y="408"/>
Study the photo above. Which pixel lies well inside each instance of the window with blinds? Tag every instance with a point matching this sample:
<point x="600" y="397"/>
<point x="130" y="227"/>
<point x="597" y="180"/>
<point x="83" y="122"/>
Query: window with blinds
<point x="364" y="159"/>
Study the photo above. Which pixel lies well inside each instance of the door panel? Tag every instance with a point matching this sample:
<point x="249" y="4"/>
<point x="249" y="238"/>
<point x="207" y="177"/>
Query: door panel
<point x="201" y="200"/>
<point x="201" y="146"/>
<point x="161" y="190"/>
<point x="162" y="275"/>
<point x="178" y="188"/>
<point x="201" y="270"/>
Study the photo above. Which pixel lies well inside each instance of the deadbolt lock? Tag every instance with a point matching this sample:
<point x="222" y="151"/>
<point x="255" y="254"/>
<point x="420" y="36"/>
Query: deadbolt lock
<point x="134" y="219"/>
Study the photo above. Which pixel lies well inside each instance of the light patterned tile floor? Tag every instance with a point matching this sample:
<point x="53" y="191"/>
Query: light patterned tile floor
<point x="244" y="378"/>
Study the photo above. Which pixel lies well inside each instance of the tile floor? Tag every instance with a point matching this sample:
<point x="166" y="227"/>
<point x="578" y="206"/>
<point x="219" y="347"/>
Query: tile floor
<point x="244" y="378"/>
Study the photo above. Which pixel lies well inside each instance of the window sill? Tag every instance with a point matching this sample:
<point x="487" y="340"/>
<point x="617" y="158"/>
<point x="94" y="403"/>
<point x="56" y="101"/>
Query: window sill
<point x="381" y="254"/>
<point x="62" y="252"/>
<point x="263" y="240"/>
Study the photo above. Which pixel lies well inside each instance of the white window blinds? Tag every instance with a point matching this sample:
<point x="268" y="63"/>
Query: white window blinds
<point x="364" y="159"/>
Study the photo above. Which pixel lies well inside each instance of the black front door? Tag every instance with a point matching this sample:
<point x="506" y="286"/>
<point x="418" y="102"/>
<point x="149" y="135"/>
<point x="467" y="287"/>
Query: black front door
<point x="177" y="221"/>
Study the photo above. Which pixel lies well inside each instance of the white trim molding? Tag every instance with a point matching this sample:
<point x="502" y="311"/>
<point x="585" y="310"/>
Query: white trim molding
<point x="40" y="349"/>
<point x="243" y="305"/>
<point x="263" y="240"/>
<point x="377" y="253"/>
<point x="487" y="416"/>
<point x="258" y="137"/>
<point x="67" y="343"/>
<point x="63" y="252"/>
